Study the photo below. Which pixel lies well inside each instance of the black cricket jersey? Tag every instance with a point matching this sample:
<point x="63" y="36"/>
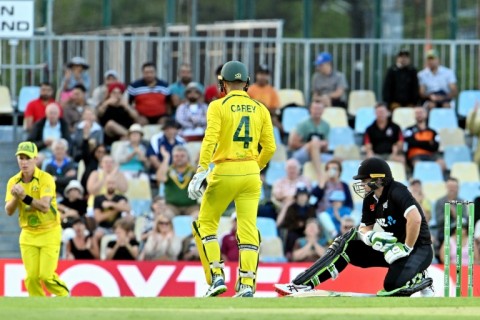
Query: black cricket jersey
<point x="389" y="212"/>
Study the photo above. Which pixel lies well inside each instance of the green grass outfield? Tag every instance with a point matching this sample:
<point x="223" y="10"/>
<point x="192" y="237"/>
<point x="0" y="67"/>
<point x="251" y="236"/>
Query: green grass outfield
<point x="227" y="308"/>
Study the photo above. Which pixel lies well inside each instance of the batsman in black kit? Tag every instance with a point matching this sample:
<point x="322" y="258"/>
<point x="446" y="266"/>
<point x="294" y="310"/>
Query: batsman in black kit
<point x="404" y="247"/>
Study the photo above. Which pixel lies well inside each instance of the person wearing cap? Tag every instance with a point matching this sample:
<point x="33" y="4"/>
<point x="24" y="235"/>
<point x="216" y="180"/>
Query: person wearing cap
<point x="75" y="74"/>
<point x="150" y="96"/>
<point x="73" y="108"/>
<point x="73" y="205"/>
<point x="330" y="218"/>
<point x="179" y="87"/>
<point x="100" y="93"/>
<point x="437" y="83"/>
<point x="192" y="114"/>
<point x="35" y="110"/>
<point x="167" y="139"/>
<point x="261" y="90"/>
<point x="328" y="83"/>
<point x="31" y="192"/>
<point x="115" y="115"/>
<point x="131" y="154"/>
<point x="400" y="87"/>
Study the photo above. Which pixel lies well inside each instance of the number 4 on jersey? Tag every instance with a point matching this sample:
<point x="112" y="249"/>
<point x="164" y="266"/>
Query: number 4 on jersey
<point x="244" y="121"/>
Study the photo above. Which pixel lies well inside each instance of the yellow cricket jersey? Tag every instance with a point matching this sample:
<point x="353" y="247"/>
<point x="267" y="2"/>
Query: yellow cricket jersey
<point x="29" y="218"/>
<point x="236" y="126"/>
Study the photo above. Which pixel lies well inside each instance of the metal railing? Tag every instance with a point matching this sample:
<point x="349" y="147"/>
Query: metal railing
<point x="364" y="61"/>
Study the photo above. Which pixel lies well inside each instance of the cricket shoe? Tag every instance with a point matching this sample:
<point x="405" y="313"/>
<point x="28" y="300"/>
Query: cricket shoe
<point x="286" y="289"/>
<point x="245" y="291"/>
<point x="217" y="287"/>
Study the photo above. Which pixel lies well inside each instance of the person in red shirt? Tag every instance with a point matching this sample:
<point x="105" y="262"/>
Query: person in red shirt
<point x="35" y="110"/>
<point x="229" y="246"/>
<point x="212" y="92"/>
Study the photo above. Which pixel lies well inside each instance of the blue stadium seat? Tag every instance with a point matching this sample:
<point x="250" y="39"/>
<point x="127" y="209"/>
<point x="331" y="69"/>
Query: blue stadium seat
<point x="340" y="136"/>
<point x="275" y="171"/>
<point x="349" y="169"/>
<point x="428" y="171"/>
<point x="182" y="226"/>
<point x="277" y="135"/>
<point x="452" y="154"/>
<point x="466" y="101"/>
<point x="469" y="190"/>
<point x="26" y="95"/>
<point x="364" y="118"/>
<point x="442" y="118"/>
<point x="267" y="227"/>
<point x="292" y="116"/>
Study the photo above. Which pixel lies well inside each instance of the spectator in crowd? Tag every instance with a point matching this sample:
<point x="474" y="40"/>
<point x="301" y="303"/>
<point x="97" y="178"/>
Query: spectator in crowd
<point x="331" y="218"/>
<point x="438" y="84"/>
<point x="400" y="87"/>
<point x="263" y="91"/>
<point x="452" y="195"/>
<point x="125" y="247"/>
<point x="176" y="178"/>
<point x="108" y="208"/>
<point x="150" y="96"/>
<point x="328" y="182"/>
<point x="465" y="248"/>
<point x="35" y="110"/>
<point x="284" y="189"/>
<point x="168" y="139"/>
<point x="114" y="113"/>
<point x="311" y="135"/>
<point x="81" y="246"/>
<point x="383" y="138"/>
<point x="330" y="84"/>
<point x="75" y="106"/>
<point x="91" y="160"/>
<point x="422" y="141"/>
<point x="73" y="205"/>
<point x="47" y="130"/>
<point x="97" y="180"/>
<point x="192" y="113"/>
<point x="417" y="192"/>
<point x="158" y="207"/>
<point x="61" y="167"/>
<point x="86" y="131"/>
<point x="178" y="88"/>
<point x="229" y="245"/>
<point x="189" y="250"/>
<point x="310" y="247"/>
<point x="75" y="74"/>
<point x="473" y="126"/>
<point x="346" y="224"/>
<point x="212" y="92"/>
<point x="295" y="217"/>
<point x="162" y="243"/>
<point x="131" y="155"/>
<point x="100" y="93"/>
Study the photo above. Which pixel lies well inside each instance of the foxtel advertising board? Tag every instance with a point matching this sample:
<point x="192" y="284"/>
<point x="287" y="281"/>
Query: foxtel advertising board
<point x="186" y="279"/>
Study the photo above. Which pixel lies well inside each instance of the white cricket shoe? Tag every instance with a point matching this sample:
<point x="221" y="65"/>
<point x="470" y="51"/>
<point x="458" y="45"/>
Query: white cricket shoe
<point x="217" y="287"/>
<point x="245" y="291"/>
<point x="286" y="289"/>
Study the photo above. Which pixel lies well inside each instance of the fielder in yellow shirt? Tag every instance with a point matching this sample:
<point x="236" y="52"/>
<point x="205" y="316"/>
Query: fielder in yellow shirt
<point x="237" y="126"/>
<point x="32" y="192"/>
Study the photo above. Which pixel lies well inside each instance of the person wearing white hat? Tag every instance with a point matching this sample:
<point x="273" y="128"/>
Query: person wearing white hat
<point x="73" y="205"/>
<point x="131" y="155"/>
<point x="100" y="93"/>
<point x="75" y="73"/>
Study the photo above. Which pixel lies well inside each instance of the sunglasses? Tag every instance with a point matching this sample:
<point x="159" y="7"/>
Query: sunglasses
<point x="163" y="223"/>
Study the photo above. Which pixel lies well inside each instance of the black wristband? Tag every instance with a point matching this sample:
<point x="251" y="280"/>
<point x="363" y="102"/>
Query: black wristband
<point x="27" y="200"/>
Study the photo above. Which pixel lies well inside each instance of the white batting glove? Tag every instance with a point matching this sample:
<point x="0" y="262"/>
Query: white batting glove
<point x="397" y="251"/>
<point x="378" y="240"/>
<point x="198" y="184"/>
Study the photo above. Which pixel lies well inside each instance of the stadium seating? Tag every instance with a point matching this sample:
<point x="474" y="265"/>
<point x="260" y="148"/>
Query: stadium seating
<point x="442" y="118"/>
<point x="451" y="137"/>
<point x="193" y="148"/>
<point x="271" y="250"/>
<point x="359" y="99"/>
<point x="276" y="170"/>
<point x="465" y="172"/>
<point x="452" y="154"/>
<point x="290" y="97"/>
<point x="466" y="101"/>
<point x="5" y="101"/>
<point x="309" y="171"/>
<point x="469" y="190"/>
<point x="139" y="227"/>
<point x="150" y="130"/>
<point x="293" y="116"/>
<point x="350" y="152"/>
<point x="182" y="226"/>
<point x="80" y="170"/>
<point x="335" y="116"/>
<point x="340" y="136"/>
<point x="398" y="171"/>
<point x="349" y="169"/>
<point x="103" y="244"/>
<point x="404" y="117"/>
<point x="277" y="135"/>
<point x="224" y="226"/>
<point x="428" y="171"/>
<point x="434" y="190"/>
<point x="139" y="194"/>
<point x="267" y="227"/>
<point x="26" y="95"/>
<point x="280" y="154"/>
<point x="364" y="118"/>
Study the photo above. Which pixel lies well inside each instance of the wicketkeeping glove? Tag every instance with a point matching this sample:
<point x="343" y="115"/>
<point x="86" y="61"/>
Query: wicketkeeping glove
<point x="198" y="184"/>
<point x="397" y="251"/>
<point x="379" y="240"/>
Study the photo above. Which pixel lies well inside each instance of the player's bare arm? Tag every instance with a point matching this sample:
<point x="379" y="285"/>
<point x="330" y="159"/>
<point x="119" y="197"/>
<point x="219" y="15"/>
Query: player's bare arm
<point x="414" y="221"/>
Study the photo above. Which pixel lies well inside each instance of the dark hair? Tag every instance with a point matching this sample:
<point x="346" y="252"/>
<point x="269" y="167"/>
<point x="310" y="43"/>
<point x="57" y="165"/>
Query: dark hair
<point x="149" y="64"/>
<point x="380" y="104"/>
<point x="218" y="71"/>
<point x="80" y="87"/>
<point x="124" y="224"/>
<point x="46" y="84"/>
<point x="452" y="179"/>
<point x="415" y="181"/>
<point x="337" y="162"/>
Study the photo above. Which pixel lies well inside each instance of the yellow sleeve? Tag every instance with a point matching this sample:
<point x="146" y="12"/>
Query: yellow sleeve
<point x="267" y="140"/>
<point x="212" y="133"/>
<point x="47" y="187"/>
<point x="8" y="195"/>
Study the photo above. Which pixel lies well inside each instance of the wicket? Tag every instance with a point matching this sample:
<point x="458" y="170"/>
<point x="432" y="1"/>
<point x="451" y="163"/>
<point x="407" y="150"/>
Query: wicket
<point x="458" y="256"/>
